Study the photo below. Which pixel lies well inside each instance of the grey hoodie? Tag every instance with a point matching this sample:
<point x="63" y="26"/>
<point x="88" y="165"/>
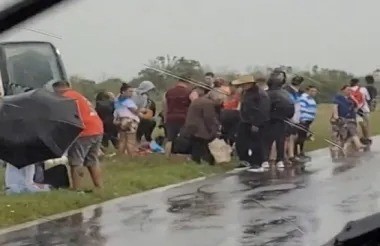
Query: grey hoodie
<point x="140" y="96"/>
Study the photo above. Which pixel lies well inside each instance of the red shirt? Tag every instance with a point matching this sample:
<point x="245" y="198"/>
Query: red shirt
<point x="92" y="124"/>
<point x="232" y="103"/>
<point x="177" y="104"/>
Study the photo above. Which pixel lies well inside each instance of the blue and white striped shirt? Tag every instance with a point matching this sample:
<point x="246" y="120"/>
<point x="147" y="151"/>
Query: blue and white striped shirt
<point x="308" y="108"/>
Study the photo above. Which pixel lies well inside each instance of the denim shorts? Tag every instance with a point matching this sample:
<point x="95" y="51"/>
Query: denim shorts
<point x="85" y="151"/>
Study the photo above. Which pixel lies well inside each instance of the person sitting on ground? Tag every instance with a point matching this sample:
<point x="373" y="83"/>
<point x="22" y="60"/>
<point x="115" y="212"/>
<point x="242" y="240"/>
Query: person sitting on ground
<point x="360" y="96"/>
<point x="22" y="180"/>
<point x="126" y="118"/>
<point x="105" y="108"/>
<point x="85" y="150"/>
<point x="344" y="120"/>
<point x="175" y="105"/>
<point x="147" y="107"/>
<point x="308" y="113"/>
<point x="202" y="127"/>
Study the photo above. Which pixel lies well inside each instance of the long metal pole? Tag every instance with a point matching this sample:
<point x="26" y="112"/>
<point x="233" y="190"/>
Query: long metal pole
<point x="190" y="81"/>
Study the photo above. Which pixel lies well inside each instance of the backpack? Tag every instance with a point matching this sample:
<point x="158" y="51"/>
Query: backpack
<point x="357" y="97"/>
<point x="282" y="106"/>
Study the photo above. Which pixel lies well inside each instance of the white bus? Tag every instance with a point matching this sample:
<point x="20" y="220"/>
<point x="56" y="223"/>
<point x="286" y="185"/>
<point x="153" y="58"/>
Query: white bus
<point x="28" y="65"/>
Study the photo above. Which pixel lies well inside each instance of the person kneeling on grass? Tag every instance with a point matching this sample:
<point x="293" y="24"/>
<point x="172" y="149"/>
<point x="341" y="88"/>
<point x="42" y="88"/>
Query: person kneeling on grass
<point x="85" y="150"/>
<point x="202" y="126"/>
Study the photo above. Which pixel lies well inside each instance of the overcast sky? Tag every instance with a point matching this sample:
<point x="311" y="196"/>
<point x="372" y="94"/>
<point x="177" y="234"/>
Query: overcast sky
<point x="115" y="37"/>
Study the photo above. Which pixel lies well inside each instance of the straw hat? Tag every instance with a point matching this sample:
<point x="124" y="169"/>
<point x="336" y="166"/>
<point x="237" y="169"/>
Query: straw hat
<point x="243" y="79"/>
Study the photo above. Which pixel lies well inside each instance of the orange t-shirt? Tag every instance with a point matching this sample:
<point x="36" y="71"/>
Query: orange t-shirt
<point x="93" y="125"/>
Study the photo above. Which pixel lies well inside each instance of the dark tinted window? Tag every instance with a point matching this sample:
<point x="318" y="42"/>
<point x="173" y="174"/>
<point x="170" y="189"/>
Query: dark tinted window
<point x="32" y="65"/>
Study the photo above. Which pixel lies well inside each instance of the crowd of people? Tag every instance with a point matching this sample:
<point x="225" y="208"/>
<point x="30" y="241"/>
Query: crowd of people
<point x="258" y="117"/>
<point x="265" y="120"/>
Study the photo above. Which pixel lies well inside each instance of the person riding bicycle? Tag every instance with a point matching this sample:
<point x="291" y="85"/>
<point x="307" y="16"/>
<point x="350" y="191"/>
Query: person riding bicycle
<point x="343" y="121"/>
<point x="361" y="97"/>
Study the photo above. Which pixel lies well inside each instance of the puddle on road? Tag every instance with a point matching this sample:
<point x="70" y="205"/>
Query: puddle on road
<point x="197" y="204"/>
<point x="267" y="209"/>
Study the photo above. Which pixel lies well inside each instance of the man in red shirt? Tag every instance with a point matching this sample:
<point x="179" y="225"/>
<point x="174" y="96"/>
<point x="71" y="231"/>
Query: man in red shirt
<point x="175" y="105"/>
<point x="85" y="150"/>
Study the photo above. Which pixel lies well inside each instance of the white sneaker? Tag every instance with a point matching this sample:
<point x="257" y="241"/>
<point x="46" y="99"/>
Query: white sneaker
<point x="265" y="165"/>
<point x="280" y="164"/>
<point x="256" y="169"/>
<point x="243" y="165"/>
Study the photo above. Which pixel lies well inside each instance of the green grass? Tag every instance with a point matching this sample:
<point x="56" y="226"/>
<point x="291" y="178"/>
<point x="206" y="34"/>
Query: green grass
<point x="123" y="176"/>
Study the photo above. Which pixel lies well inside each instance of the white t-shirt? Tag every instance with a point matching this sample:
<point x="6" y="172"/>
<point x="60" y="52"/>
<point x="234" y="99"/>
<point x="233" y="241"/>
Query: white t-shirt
<point x="122" y="109"/>
<point x="366" y="96"/>
<point x="297" y="113"/>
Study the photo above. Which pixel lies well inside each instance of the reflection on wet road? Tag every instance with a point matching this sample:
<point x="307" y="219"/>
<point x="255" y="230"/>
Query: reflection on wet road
<point x="276" y="208"/>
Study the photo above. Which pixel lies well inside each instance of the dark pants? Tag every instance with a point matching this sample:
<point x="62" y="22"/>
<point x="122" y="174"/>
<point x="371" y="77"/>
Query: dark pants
<point x="55" y="176"/>
<point x="107" y="137"/>
<point x="230" y="121"/>
<point x="110" y="135"/>
<point x="172" y="130"/>
<point x="145" y="129"/>
<point x="200" y="150"/>
<point x="302" y="137"/>
<point x="248" y="141"/>
<point x="275" y="131"/>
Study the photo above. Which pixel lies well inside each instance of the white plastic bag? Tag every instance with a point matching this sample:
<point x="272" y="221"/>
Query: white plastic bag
<point x="220" y="150"/>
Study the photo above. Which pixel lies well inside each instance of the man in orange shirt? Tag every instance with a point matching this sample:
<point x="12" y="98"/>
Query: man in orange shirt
<point x="85" y="150"/>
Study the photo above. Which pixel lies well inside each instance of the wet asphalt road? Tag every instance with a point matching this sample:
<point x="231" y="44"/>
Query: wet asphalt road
<point x="276" y="208"/>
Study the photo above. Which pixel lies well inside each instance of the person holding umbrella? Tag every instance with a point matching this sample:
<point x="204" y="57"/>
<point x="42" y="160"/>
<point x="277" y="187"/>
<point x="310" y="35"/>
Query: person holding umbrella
<point x="84" y="151"/>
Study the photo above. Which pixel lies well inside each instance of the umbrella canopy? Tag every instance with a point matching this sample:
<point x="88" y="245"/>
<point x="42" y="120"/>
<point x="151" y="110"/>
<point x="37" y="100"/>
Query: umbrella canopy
<point x="36" y="126"/>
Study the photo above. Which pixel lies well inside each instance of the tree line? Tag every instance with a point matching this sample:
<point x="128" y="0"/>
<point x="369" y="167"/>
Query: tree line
<point x="328" y="81"/>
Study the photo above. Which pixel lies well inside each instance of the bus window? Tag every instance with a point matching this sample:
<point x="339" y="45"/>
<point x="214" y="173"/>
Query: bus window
<point x="31" y="65"/>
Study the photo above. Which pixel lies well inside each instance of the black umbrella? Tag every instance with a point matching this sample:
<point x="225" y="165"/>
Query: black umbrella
<point x="36" y="126"/>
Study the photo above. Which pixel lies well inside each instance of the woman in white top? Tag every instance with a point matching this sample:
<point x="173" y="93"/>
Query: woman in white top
<point x="127" y="120"/>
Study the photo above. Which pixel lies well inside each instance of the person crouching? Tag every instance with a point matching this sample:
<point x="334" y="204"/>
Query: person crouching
<point x="201" y="126"/>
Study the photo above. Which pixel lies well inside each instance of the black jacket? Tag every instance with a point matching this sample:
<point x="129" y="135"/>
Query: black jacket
<point x="255" y="107"/>
<point x="372" y="91"/>
<point x="105" y="111"/>
<point x="282" y="106"/>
